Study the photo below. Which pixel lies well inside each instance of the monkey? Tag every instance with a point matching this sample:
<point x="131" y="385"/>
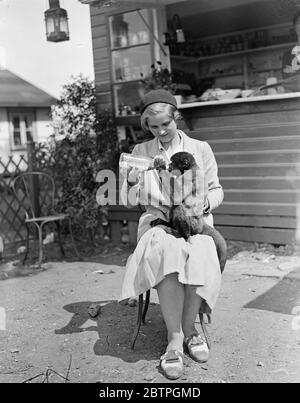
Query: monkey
<point x="181" y="220"/>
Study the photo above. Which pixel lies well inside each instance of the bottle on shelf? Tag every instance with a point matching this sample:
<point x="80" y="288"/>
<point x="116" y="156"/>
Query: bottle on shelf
<point x="178" y="29"/>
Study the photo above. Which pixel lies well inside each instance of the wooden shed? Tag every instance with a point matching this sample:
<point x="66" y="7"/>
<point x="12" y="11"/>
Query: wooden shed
<point x="256" y="140"/>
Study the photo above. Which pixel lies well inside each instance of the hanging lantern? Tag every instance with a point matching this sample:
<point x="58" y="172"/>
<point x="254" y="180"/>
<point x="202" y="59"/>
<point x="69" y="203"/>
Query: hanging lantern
<point x="56" y="19"/>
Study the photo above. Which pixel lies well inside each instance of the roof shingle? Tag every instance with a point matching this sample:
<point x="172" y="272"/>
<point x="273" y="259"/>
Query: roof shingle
<point x="16" y="92"/>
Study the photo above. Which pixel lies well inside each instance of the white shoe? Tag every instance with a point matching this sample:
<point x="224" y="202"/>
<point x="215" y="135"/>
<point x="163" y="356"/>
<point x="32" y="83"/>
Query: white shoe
<point x="197" y="347"/>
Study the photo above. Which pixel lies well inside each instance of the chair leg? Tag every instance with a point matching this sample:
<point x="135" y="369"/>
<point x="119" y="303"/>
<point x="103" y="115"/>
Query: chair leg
<point x="40" y="230"/>
<point x="59" y="239"/>
<point x="139" y="321"/>
<point x="27" y="245"/>
<point x="72" y="239"/>
<point x="204" y="329"/>
<point x="146" y="306"/>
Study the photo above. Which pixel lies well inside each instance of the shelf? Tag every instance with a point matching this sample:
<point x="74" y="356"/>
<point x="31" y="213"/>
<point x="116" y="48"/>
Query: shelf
<point x="246" y="31"/>
<point x="220" y="75"/>
<point x="240" y="73"/>
<point x="187" y="59"/>
<point x="130" y="46"/>
<point x="115" y="82"/>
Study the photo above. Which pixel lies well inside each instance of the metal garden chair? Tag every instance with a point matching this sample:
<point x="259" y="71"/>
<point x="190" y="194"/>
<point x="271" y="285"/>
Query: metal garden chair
<point x="28" y="184"/>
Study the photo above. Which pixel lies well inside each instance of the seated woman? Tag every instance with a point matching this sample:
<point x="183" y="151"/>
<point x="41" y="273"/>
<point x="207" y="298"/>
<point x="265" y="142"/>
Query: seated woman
<point x="186" y="274"/>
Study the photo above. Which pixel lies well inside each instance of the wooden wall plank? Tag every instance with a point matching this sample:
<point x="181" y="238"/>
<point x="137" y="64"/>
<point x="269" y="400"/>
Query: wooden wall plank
<point x="104" y="100"/>
<point x="262" y="196"/>
<point x="259" y="169"/>
<point x="226" y="135"/>
<point x="245" y="131"/>
<point x="270" y="156"/>
<point x="268" y="183"/>
<point x="256" y="144"/>
<point x="282" y="118"/>
<point x="99" y="30"/>
<point x="100" y="42"/>
<point x="102" y="76"/>
<point x="97" y="19"/>
<point x="254" y="209"/>
<point x="256" y="221"/>
<point x="274" y="236"/>
<point x="100" y="53"/>
<point x="265" y="112"/>
<point x="101" y="65"/>
<point x="103" y="87"/>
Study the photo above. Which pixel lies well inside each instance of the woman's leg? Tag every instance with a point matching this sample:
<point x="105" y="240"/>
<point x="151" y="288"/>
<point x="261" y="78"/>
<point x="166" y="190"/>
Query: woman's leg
<point x="191" y="307"/>
<point x="171" y="298"/>
<point x="197" y="347"/>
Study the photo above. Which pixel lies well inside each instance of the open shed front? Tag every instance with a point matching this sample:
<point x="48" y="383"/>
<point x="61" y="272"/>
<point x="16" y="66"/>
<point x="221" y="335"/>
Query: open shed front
<point x="256" y="140"/>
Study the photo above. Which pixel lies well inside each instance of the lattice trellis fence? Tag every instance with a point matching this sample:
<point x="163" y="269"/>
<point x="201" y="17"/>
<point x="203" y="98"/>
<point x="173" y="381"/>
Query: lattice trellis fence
<point x="12" y="226"/>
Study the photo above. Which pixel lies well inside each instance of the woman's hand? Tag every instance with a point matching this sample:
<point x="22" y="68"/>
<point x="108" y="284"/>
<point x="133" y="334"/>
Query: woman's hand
<point x="206" y="209"/>
<point x="133" y="176"/>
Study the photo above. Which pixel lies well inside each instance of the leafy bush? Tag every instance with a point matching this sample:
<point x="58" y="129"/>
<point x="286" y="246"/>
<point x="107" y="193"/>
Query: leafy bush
<point x="82" y="144"/>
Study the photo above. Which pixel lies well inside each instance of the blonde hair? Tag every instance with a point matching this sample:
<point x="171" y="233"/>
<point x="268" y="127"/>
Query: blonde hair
<point x="156" y="109"/>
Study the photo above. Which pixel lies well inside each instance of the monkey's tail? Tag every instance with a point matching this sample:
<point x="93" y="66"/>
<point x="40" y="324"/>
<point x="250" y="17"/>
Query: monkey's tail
<point x="220" y="243"/>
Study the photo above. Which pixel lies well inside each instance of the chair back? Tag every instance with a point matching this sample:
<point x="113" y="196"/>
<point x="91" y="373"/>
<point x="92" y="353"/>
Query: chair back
<point x="35" y="192"/>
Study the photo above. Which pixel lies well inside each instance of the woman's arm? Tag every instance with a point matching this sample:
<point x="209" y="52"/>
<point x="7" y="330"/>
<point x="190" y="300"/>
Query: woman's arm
<point x="215" y="191"/>
<point x="130" y="185"/>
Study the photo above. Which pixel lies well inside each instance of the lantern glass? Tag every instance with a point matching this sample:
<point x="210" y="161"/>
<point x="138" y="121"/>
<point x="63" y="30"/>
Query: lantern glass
<point x="64" y="24"/>
<point x="49" y="26"/>
<point x="57" y="28"/>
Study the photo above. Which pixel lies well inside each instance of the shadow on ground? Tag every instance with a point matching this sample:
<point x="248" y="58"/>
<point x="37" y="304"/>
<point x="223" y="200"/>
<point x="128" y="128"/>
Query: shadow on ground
<point x="283" y="297"/>
<point x="115" y="326"/>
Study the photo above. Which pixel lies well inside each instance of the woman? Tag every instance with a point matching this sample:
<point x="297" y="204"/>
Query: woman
<point x="184" y="273"/>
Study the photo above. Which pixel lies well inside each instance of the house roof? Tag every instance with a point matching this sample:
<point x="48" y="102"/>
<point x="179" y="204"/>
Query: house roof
<point x="16" y="92"/>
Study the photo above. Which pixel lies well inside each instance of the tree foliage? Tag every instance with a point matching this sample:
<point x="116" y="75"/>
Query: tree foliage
<point x="83" y="143"/>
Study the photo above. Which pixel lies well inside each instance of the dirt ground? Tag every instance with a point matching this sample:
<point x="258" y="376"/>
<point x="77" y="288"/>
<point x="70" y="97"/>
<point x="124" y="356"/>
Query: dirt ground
<point x="255" y="332"/>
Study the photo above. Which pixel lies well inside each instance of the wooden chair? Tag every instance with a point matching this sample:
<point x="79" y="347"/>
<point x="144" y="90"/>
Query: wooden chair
<point x="142" y="317"/>
<point x="25" y="183"/>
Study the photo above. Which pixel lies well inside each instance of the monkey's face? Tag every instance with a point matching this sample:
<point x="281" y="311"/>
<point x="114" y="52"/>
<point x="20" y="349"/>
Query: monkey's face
<point x="182" y="161"/>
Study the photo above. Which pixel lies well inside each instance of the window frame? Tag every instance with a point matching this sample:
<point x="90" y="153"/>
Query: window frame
<point x="22" y="114"/>
<point x="154" y="52"/>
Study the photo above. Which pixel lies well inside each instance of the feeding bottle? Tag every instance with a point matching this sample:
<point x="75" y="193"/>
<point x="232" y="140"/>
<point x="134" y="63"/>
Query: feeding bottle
<point x="135" y="161"/>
